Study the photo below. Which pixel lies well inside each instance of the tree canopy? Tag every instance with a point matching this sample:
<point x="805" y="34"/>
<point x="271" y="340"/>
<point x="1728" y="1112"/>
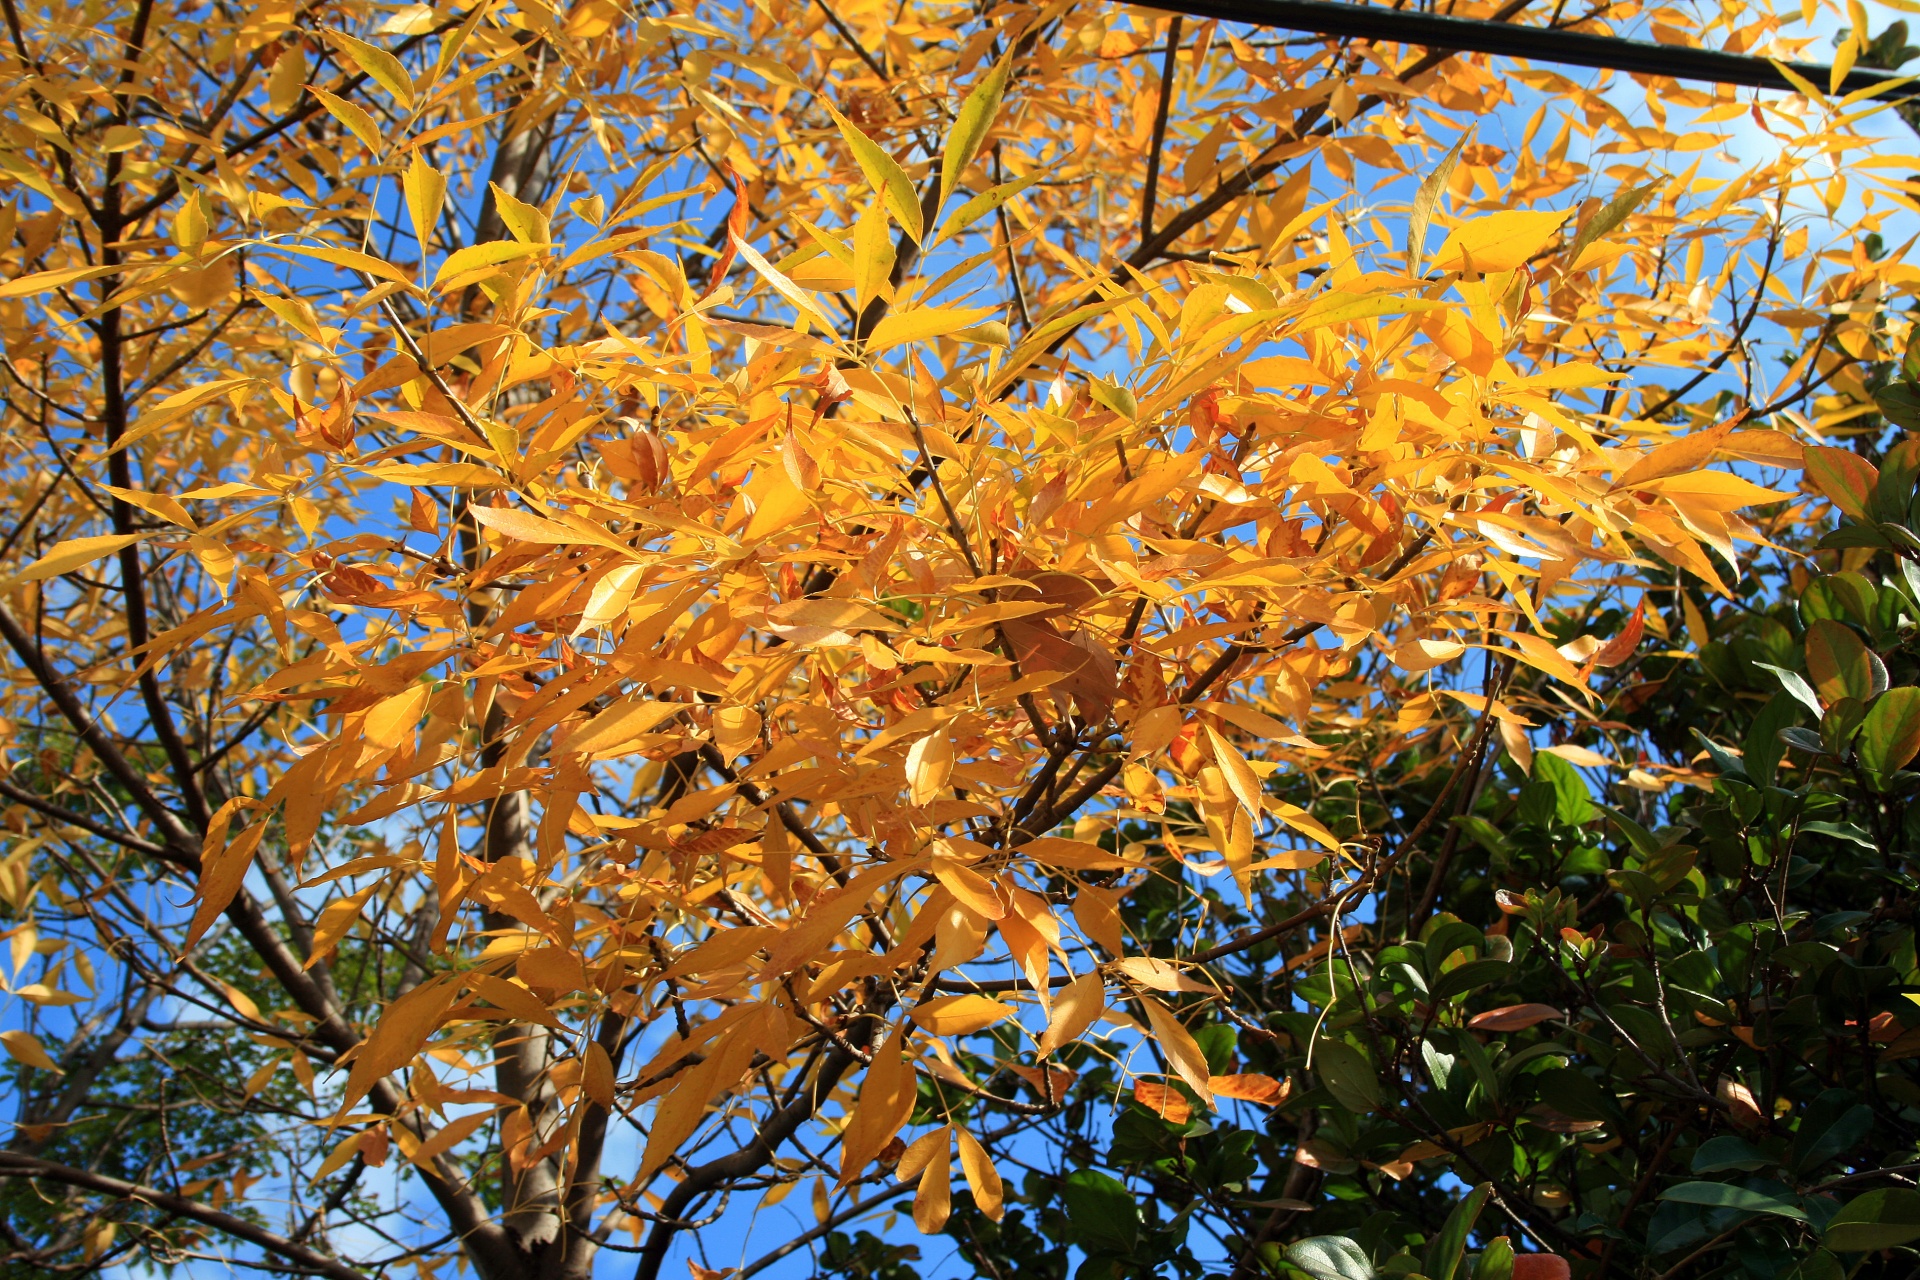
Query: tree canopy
<point x="719" y="636"/>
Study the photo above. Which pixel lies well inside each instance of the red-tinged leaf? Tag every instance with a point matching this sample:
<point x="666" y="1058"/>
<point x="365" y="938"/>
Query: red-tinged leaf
<point x="1621" y="647"/>
<point x="1163" y="1100"/>
<point x="1513" y="1017"/>
<point x="1846" y="478"/>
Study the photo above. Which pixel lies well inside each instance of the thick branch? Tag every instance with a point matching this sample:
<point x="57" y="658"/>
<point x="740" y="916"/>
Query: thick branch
<point x="13" y="1165"/>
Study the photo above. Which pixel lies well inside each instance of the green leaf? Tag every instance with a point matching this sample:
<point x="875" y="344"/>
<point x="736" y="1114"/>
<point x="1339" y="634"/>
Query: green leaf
<point x="1217" y="1041"/>
<point x="1840" y="831"/>
<point x="1617" y="211"/>
<point x="1899" y="402"/>
<point x="1576" y="801"/>
<point x="1890" y="735"/>
<point x="1762" y="749"/>
<point x="970" y="127"/>
<point x="1877" y="1220"/>
<point x="1727" y="764"/>
<point x="985" y="203"/>
<point x="1724" y="1195"/>
<point x="1830" y="1127"/>
<point x="1796" y="685"/>
<point x="1717" y="1155"/>
<point x="1843" y="475"/>
<point x="1348" y="1075"/>
<point x="1424" y="202"/>
<point x="1574" y="1094"/>
<point x="1837" y="662"/>
<point x="884" y="175"/>
<point x="1469" y="976"/>
<point x="1114" y="396"/>
<point x="1450" y="1242"/>
<point x="1496" y="1263"/>
<point x="1331" y="1258"/>
<point x="1101" y="1212"/>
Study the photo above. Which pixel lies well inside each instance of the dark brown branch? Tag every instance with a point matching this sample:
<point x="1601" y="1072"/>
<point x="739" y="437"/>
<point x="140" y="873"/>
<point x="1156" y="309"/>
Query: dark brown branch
<point x="1159" y="129"/>
<point x="14" y="1165"/>
<point x="1537" y="44"/>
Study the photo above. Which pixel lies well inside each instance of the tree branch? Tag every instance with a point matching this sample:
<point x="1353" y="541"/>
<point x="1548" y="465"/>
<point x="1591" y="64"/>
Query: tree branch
<point x="14" y="1165"/>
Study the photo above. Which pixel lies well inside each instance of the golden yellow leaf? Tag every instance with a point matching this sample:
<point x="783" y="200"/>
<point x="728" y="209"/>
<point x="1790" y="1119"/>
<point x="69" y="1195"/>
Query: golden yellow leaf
<point x="1074" y="1010"/>
<point x="958" y="1015"/>
<point x="1179" y="1046"/>
<point x="1498" y="241"/>
<point x="989" y="1193"/>
<point x="332" y="924"/>
<point x="24" y="1047"/>
<point x="929" y="763"/>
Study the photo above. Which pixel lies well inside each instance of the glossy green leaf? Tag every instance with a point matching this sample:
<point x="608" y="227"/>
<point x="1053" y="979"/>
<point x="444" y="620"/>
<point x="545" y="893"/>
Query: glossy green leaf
<point x="1450" y="1242"/>
<point x="1880" y="1219"/>
<point x="1890" y="735"/>
<point x="1724" y="1195"/>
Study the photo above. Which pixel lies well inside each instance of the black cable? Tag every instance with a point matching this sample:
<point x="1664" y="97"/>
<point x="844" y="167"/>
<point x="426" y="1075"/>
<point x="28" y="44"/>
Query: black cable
<point x="1510" y="40"/>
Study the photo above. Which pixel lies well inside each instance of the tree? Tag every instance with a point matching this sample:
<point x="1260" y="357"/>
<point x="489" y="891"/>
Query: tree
<point x="614" y="614"/>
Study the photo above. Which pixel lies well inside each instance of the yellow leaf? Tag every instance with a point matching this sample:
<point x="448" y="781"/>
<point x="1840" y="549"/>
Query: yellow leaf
<point x="402" y="1031"/>
<point x="342" y="1152"/>
<point x="884" y="175"/>
<point x="597" y="1076"/>
<point x="873" y="256"/>
<point x="1424" y="655"/>
<point x="1074" y="1010"/>
<point x="223" y="868"/>
<point x="887" y="1094"/>
<point x="611" y="596"/>
<point x="47" y="281"/>
<point x="163" y="505"/>
<point x="525" y="222"/>
<point x="620" y="723"/>
<point x="968" y="885"/>
<point x="23" y="1047"/>
<point x="351" y="259"/>
<point x="382" y="67"/>
<point x="333" y="922"/>
<point x="929" y="762"/>
<point x="958" y="1015"/>
<point x="426" y="191"/>
<point x="1674" y="457"/>
<point x="477" y="261"/>
<point x="921" y="323"/>
<point x="391" y="721"/>
<point x="525" y="526"/>
<point x="802" y="301"/>
<point x="1305" y="823"/>
<point x="1425" y="200"/>
<point x="1097" y="912"/>
<point x="984" y="1180"/>
<point x="358" y="122"/>
<point x="1241" y="779"/>
<point x="933" y="1202"/>
<point x="963" y="143"/>
<point x="798" y="620"/>
<point x="1148" y="971"/>
<point x="1181" y="1049"/>
<point x="1498" y="241"/>
<point x="65" y="557"/>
